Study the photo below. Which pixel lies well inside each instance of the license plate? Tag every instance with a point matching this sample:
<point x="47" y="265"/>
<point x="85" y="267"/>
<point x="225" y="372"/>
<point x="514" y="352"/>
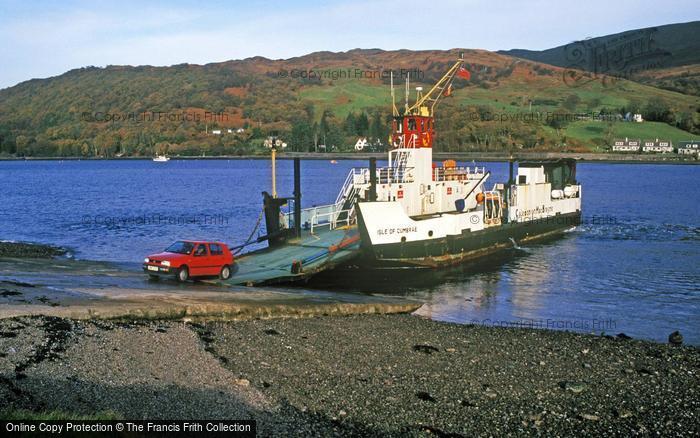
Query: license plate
<point x="152" y="268"/>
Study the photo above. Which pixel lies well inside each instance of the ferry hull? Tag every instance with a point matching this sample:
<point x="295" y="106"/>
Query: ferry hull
<point x="470" y="245"/>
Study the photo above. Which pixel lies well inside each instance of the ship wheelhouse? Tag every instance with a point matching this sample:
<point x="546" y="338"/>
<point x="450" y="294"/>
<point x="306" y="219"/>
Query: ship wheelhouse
<point x="412" y="131"/>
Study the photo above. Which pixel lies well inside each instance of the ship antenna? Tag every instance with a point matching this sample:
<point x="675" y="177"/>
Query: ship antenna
<point x="393" y="96"/>
<point x="406" y="93"/>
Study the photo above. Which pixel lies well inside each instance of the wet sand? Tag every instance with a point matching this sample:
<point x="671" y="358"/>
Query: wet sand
<point x="24" y="299"/>
<point x="352" y="375"/>
<point x="81" y="289"/>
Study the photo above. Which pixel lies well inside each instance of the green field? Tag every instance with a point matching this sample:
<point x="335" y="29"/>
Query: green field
<point x="593" y="96"/>
<point x="346" y="96"/>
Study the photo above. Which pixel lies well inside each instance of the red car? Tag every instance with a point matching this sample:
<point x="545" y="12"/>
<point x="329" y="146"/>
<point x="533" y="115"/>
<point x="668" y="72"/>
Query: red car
<point x="187" y="259"/>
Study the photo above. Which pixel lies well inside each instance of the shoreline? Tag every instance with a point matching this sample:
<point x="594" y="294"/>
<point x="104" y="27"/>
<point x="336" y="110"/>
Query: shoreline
<point x="102" y="290"/>
<point x="350" y="375"/>
<point x="584" y="157"/>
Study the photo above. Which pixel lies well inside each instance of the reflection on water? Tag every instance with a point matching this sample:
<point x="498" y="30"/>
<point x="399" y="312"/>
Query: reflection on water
<point x="571" y="283"/>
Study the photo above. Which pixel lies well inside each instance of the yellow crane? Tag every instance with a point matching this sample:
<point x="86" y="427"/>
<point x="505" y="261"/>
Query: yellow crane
<point x="426" y="103"/>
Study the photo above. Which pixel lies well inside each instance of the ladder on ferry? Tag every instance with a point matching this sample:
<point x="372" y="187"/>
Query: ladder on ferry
<point x="347" y="197"/>
<point x="398" y="168"/>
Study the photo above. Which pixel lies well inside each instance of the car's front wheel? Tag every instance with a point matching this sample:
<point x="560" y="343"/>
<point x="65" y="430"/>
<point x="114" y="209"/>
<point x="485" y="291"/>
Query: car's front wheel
<point x="225" y="273"/>
<point x="183" y="274"/>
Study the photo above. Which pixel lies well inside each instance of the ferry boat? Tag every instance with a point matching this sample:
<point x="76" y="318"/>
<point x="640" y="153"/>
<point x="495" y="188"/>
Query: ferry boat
<point x="449" y="214"/>
<point x="416" y="213"/>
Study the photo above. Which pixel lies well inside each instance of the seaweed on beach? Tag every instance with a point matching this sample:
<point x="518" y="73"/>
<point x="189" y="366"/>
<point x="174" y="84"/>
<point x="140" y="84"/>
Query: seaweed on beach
<point x="9" y="293"/>
<point x="57" y="331"/>
<point x="206" y="336"/>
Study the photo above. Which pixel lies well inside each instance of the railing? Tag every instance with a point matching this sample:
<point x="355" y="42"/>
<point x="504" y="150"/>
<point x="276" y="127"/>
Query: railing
<point x="347" y="187"/>
<point x="390" y="175"/>
<point x="324" y="215"/>
<point x="458" y="173"/>
<point x="331" y="218"/>
<point x="335" y="214"/>
<point x="385" y="175"/>
<point x="412" y="141"/>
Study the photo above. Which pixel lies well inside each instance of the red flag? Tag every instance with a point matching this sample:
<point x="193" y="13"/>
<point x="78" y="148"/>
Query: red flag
<point x="464" y="73"/>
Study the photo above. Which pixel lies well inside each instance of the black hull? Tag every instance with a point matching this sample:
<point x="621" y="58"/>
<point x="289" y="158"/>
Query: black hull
<point x="453" y="250"/>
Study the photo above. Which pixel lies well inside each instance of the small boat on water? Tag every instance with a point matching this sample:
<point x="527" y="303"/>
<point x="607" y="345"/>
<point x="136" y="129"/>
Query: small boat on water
<point x="161" y="159"/>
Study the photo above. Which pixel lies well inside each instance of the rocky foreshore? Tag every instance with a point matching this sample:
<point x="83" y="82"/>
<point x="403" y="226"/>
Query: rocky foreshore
<point x="352" y="375"/>
<point x="29" y="250"/>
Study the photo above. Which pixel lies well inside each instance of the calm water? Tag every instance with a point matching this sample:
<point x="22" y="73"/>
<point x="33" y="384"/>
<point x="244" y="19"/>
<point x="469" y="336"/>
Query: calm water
<point x="632" y="267"/>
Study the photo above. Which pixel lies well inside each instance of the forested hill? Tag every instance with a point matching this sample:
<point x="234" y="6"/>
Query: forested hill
<point x="320" y="98"/>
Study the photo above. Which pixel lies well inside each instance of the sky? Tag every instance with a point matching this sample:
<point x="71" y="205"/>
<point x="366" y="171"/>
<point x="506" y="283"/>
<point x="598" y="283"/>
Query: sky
<point x="41" y="38"/>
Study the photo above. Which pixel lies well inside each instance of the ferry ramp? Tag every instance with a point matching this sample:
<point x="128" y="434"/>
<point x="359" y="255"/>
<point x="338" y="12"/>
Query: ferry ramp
<point x="297" y="258"/>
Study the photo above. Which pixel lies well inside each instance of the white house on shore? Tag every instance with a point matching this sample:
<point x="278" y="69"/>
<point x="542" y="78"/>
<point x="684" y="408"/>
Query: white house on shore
<point x="662" y="146"/>
<point x="689" y="147"/>
<point x="361" y="143"/>
<point x="626" y="145"/>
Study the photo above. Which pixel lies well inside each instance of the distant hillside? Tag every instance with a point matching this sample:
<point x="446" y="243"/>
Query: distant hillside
<point x="663" y="46"/>
<point x="322" y="97"/>
<point x="630" y="54"/>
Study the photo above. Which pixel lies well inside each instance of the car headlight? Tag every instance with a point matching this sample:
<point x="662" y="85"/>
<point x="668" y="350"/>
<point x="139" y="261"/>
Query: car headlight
<point x="146" y="260"/>
<point x="166" y="263"/>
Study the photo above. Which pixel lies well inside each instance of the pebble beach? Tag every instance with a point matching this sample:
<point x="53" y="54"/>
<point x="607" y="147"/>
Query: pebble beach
<point x="352" y="375"/>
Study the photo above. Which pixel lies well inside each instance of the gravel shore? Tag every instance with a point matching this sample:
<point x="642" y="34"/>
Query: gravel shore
<point x="353" y="375"/>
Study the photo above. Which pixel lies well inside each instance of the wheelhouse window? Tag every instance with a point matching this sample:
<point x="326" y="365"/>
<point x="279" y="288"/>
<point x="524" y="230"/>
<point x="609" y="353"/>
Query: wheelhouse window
<point x="180" y="247"/>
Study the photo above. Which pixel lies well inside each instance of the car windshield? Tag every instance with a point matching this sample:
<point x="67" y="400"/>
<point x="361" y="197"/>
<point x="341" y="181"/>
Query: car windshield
<point x="181" y="247"/>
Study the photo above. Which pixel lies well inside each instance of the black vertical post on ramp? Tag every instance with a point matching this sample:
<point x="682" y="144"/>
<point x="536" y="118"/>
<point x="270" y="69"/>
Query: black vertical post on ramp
<point x="297" y="196"/>
<point x="511" y="181"/>
<point x="372" y="179"/>
<point x="510" y="171"/>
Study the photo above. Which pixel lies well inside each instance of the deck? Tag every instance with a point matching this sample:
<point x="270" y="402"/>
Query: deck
<point x="297" y="259"/>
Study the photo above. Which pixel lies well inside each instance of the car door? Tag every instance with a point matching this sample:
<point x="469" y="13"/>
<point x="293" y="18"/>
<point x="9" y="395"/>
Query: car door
<point x="217" y="256"/>
<point x="200" y="260"/>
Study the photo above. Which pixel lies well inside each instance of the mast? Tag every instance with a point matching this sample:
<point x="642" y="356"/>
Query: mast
<point x="406" y="91"/>
<point x="394" y="111"/>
